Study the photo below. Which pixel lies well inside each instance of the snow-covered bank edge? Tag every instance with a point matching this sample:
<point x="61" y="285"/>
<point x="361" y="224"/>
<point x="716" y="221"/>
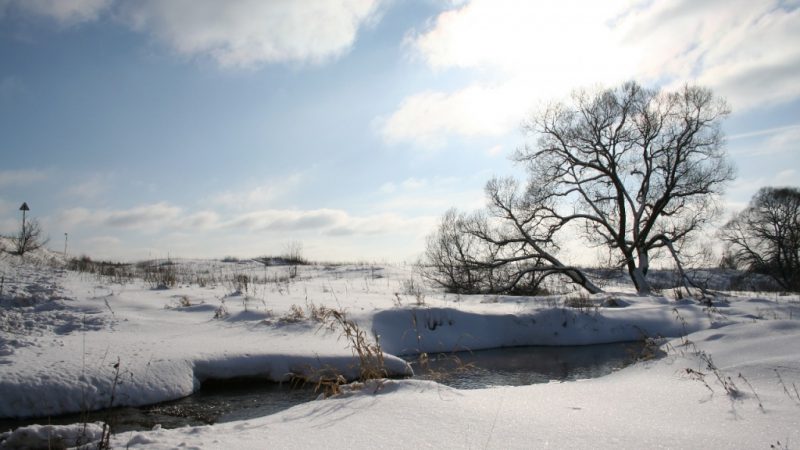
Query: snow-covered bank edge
<point x="409" y="331"/>
<point x="159" y="381"/>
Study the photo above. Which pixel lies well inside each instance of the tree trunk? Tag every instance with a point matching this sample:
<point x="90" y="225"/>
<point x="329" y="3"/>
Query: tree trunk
<point x="639" y="279"/>
<point x="580" y="279"/>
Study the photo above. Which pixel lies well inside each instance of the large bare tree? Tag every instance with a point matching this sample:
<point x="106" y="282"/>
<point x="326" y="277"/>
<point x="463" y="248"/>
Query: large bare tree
<point x="635" y="170"/>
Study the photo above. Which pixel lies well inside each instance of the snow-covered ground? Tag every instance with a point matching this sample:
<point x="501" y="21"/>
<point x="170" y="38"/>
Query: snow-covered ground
<point x="730" y="377"/>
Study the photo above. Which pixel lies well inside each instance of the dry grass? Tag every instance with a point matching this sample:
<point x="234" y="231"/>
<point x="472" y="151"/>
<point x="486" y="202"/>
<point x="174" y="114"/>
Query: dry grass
<point x="370" y="355"/>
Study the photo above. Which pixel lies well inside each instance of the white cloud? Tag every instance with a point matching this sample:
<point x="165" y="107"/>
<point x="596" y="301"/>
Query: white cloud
<point x="242" y="33"/>
<point x="21" y="177"/>
<point x="165" y="217"/>
<point x="382" y="224"/>
<point x="140" y="216"/>
<point x="332" y="222"/>
<point x="745" y="50"/>
<point x="234" y="33"/>
<point x="147" y="217"/>
<point x="428" y="118"/>
<point x="65" y="12"/>
<point x="512" y="35"/>
<point x="536" y="51"/>
<point x="285" y="220"/>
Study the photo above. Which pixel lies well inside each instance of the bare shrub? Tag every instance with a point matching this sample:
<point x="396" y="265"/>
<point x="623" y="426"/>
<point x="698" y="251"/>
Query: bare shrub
<point x="30" y="237"/>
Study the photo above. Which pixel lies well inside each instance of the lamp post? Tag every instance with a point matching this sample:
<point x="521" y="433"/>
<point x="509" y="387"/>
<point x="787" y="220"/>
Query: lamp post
<point x="66" y="236"/>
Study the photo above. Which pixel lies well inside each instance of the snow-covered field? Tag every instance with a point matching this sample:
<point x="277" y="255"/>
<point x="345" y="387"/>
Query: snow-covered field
<point x="728" y="375"/>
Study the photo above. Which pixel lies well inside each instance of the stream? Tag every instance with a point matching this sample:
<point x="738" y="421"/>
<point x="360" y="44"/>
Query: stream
<point x="247" y="398"/>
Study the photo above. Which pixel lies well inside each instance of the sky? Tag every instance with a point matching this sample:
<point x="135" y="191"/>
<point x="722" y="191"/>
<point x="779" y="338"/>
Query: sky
<point x="203" y="129"/>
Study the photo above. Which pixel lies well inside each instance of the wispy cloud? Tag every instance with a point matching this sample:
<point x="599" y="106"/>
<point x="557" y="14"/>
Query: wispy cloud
<point x="150" y="217"/>
<point x="164" y="217"/>
<point x="258" y="196"/>
<point x="764" y="132"/>
<point x="769" y="141"/>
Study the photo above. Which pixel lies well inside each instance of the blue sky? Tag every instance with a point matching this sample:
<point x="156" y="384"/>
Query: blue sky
<point x="204" y="128"/>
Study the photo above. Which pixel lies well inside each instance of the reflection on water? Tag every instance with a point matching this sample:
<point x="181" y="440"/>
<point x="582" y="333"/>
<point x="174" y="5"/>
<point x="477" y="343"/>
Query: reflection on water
<point x="518" y="366"/>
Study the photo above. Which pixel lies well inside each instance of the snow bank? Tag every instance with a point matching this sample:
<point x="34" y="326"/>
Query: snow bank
<point x="50" y="387"/>
<point x="52" y="436"/>
<point x="415" y="330"/>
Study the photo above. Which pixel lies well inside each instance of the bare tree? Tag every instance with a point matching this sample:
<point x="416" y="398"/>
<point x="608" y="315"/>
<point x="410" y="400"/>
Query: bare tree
<point x="30" y="237"/>
<point x="765" y="236"/>
<point x="508" y="249"/>
<point x="463" y="259"/>
<point x="636" y="170"/>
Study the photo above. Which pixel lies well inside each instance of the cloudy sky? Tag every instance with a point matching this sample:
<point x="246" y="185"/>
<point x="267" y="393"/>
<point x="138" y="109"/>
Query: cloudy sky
<point x="202" y="128"/>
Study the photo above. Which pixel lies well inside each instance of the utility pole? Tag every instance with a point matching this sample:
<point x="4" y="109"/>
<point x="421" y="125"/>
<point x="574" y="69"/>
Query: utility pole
<point x="66" y="236"/>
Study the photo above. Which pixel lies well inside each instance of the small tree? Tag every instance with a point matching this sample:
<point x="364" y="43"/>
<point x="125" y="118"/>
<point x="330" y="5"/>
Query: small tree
<point x="30" y="237"/>
<point x="764" y="238"/>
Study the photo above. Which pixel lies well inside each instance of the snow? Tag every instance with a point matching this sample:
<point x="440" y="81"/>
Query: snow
<point x="62" y="332"/>
<point x="51" y="436"/>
